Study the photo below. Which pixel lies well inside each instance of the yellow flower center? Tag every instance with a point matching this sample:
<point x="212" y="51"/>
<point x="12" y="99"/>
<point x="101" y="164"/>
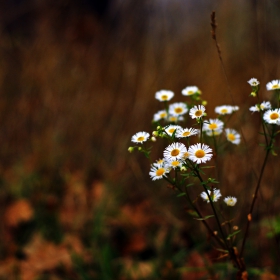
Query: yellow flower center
<point x="175" y="163"/>
<point x="173" y="119"/>
<point x="171" y="130"/>
<point x="275" y="86"/>
<point x="160" y="171"/>
<point x="198" y="113"/>
<point x="224" y="111"/>
<point x="199" y="153"/>
<point x="186" y="133"/>
<point x="178" y="110"/>
<point x="262" y="106"/>
<point x="164" y="97"/>
<point x="186" y="155"/>
<point x="274" y="116"/>
<point x="140" y="139"/>
<point x="175" y="152"/>
<point x="190" y="92"/>
<point x="213" y="126"/>
<point x="162" y="115"/>
<point x="230" y="202"/>
<point x="231" y="137"/>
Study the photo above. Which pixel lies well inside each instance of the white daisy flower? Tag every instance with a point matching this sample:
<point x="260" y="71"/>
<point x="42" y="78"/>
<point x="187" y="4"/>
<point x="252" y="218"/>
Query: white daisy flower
<point x="190" y="90"/>
<point x="272" y="116"/>
<point x="197" y="111"/>
<point x="174" y="163"/>
<point x="164" y="95"/>
<point x="175" y="118"/>
<point x="212" y="133"/>
<point x="233" y="136"/>
<point x="171" y="128"/>
<point x="265" y="105"/>
<point x="224" y="110"/>
<point x="214" y="195"/>
<point x="140" y="137"/>
<point x="199" y="153"/>
<point x="162" y="114"/>
<point x="275" y="84"/>
<point x="253" y="82"/>
<point x="158" y="171"/>
<point x="175" y="151"/>
<point x="230" y="200"/>
<point x="186" y="132"/>
<point x="178" y="109"/>
<point x="235" y="108"/>
<point x="212" y="125"/>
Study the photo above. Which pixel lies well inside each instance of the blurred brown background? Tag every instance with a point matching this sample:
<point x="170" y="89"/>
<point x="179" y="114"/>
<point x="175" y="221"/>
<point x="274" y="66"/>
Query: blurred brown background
<point x="77" y="80"/>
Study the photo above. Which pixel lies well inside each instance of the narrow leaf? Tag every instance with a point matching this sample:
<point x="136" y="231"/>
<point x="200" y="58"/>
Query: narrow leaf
<point x="205" y="218"/>
<point x="181" y="194"/>
<point x="230" y="235"/>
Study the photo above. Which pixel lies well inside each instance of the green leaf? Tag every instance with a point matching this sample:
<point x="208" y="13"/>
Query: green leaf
<point x="214" y="181"/>
<point x="221" y="250"/>
<point x="181" y="194"/>
<point x="208" y="166"/>
<point x="205" y="218"/>
<point x="234" y="233"/>
<point x="192" y="213"/>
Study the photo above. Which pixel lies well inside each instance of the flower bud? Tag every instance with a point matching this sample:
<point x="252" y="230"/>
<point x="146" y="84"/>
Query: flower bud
<point x="254" y="94"/>
<point x="130" y="149"/>
<point x="153" y="139"/>
<point x="183" y="169"/>
<point x="235" y="227"/>
<point x="155" y="133"/>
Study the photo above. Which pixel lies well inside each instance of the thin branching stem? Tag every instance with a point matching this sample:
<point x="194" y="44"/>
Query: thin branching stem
<point x="255" y="196"/>
<point x="230" y="250"/>
<point x="187" y="197"/>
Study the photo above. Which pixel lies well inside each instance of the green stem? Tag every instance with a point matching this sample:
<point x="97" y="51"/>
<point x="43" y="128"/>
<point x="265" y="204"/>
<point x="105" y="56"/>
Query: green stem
<point x="187" y="197"/>
<point x="230" y="249"/>
<point x="249" y="216"/>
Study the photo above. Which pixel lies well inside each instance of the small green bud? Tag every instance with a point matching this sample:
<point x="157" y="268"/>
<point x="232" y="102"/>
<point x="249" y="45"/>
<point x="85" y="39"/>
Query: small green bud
<point x="155" y="133"/>
<point x="153" y="139"/>
<point x="130" y="149"/>
<point x="204" y="102"/>
<point x="159" y="127"/>
<point x="254" y="94"/>
<point x="183" y="169"/>
<point x="139" y="148"/>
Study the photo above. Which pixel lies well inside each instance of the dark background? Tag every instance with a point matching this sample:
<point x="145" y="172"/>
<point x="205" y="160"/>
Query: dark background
<point x="77" y="80"/>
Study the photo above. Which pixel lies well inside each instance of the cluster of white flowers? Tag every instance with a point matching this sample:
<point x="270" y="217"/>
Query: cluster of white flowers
<point x="270" y="115"/>
<point x="215" y="194"/>
<point x="178" y="155"/>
